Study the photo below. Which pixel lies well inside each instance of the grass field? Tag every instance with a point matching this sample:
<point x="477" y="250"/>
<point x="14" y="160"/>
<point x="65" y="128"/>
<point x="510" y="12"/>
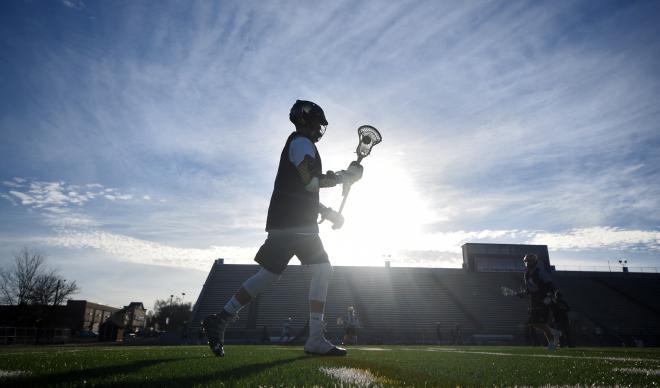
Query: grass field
<point x="252" y="365"/>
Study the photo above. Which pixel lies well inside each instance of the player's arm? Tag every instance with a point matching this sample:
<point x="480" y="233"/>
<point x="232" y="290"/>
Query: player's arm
<point x="312" y="179"/>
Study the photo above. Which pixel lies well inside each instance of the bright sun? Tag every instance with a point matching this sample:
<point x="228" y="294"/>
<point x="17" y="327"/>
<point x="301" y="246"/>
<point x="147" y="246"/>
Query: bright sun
<point x="384" y="214"/>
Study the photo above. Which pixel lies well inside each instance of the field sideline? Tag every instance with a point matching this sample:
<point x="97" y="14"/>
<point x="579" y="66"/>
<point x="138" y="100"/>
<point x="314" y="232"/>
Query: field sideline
<point x="256" y="365"/>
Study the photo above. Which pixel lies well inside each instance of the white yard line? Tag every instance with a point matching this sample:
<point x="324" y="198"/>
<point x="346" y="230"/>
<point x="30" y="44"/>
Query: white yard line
<point x="622" y="359"/>
<point x="11" y="373"/>
<point x="51" y="352"/>
<point x="369" y="349"/>
<point x="640" y="371"/>
<point x="87" y="349"/>
<point x="351" y="376"/>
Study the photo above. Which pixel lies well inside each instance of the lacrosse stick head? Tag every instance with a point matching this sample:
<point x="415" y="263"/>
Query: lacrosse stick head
<point x="506" y="291"/>
<point x="369" y="137"/>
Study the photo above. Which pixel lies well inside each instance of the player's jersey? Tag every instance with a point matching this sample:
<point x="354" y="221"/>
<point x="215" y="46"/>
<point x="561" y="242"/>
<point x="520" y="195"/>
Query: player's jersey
<point x="352" y="321"/>
<point x="292" y="208"/>
<point x="539" y="284"/>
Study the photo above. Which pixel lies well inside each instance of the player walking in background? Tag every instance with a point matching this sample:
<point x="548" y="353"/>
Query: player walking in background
<point x="560" y="311"/>
<point x="351" y="324"/>
<point x="293" y="230"/>
<point x="286" y="330"/>
<point x="540" y="289"/>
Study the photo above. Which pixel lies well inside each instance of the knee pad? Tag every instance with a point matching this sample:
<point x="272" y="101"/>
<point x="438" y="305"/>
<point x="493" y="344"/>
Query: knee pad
<point x="318" y="287"/>
<point x="259" y="282"/>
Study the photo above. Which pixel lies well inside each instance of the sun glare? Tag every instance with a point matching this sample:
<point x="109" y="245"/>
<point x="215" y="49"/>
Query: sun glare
<point x="384" y="214"/>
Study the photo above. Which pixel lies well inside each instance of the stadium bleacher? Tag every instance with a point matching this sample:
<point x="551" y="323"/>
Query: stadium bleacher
<point x="403" y="305"/>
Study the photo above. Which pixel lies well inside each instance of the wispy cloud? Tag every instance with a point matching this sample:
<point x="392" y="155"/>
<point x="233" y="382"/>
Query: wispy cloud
<point x="129" y="249"/>
<point x="57" y="197"/>
<point x="600" y="238"/>
<point x="75" y="4"/>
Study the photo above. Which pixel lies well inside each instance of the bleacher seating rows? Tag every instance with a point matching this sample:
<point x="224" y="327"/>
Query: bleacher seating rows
<point x="405" y="304"/>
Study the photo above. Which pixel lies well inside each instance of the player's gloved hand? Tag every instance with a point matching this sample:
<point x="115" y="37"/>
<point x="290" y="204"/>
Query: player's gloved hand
<point x="332" y="179"/>
<point x="344" y="178"/>
<point x="351" y="175"/>
<point x="356" y="170"/>
<point x="334" y="217"/>
<point x="547" y="300"/>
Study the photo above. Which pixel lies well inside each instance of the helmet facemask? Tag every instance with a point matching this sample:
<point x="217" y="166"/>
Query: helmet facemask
<point x="530" y="260"/>
<point x="308" y="119"/>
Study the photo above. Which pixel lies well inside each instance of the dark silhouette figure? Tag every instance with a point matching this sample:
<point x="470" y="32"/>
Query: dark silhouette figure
<point x="560" y="311"/>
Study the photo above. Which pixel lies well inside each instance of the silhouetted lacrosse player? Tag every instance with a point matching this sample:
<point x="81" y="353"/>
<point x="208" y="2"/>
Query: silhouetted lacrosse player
<point x="351" y="324"/>
<point x="539" y="287"/>
<point x="293" y="230"/>
<point x="560" y="311"/>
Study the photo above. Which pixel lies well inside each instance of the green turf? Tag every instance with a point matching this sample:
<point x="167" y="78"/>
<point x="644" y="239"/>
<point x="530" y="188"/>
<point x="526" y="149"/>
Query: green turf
<point x="183" y="366"/>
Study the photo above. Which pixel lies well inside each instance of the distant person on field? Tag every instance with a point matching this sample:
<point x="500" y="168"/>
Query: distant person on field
<point x="560" y="311"/>
<point x="351" y="324"/>
<point x="540" y="289"/>
<point x="438" y="332"/>
<point x="293" y="229"/>
<point x="286" y="330"/>
<point x="265" y="337"/>
<point x="457" y="335"/>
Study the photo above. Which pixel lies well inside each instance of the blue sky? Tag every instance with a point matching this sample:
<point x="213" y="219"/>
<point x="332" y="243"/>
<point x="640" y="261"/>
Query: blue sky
<point x="140" y="139"/>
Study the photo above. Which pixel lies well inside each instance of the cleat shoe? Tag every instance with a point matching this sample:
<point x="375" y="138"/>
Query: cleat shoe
<point x="556" y="335"/>
<point x="322" y="347"/>
<point x="214" y="325"/>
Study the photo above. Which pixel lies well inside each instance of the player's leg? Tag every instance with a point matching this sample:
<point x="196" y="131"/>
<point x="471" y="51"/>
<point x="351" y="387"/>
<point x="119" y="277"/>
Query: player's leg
<point x="273" y="256"/>
<point x="310" y="251"/>
<point x="216" y="324"/>
<point x="556" y="335"/>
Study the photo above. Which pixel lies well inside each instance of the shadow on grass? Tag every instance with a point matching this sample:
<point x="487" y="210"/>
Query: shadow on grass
<point x="230" y="377"/>
<point x="81" y="377"/>
<point x="102" y="376"/>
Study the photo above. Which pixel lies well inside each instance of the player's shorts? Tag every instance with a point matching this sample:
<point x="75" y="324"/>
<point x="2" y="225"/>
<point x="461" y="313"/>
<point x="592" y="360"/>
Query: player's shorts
<point x="539" y="314"/>
<point x="279" y="248"/>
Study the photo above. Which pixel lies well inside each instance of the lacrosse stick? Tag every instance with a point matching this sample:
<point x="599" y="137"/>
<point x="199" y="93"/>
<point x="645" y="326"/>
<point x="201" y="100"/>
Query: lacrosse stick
<point x="506" y="291"/>
<point x="369" y="137"/>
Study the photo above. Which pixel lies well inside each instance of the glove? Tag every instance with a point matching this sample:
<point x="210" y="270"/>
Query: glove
<point x="334" y="217"/>
<point x="332" y="179"/>
<point x="351" y="175"/>
<point x="356" y="170"/>
<point x="547" y="300"/>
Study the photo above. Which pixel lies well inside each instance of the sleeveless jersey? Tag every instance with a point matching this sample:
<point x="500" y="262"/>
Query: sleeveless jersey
<point x="292" y="208"/>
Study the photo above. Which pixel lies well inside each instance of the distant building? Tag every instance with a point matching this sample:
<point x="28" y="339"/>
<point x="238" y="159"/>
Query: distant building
<point x="77" y="315"/>
<point x="136" y="317"/>
<point x="85" y="315"/>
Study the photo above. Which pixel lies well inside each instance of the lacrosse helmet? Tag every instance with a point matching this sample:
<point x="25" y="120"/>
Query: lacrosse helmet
<point x="306" y="113"/>
<point x="530" y="259"/>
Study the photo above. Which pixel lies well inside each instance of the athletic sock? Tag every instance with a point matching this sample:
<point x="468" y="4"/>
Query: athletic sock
<point x="315" y="324"/>
<point x="233" y="306"/>
<point x="556" y="334"/>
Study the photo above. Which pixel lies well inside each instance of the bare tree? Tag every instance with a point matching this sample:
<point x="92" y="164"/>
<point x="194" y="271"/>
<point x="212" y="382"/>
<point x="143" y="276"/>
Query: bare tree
<point x="31" y="282"/>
